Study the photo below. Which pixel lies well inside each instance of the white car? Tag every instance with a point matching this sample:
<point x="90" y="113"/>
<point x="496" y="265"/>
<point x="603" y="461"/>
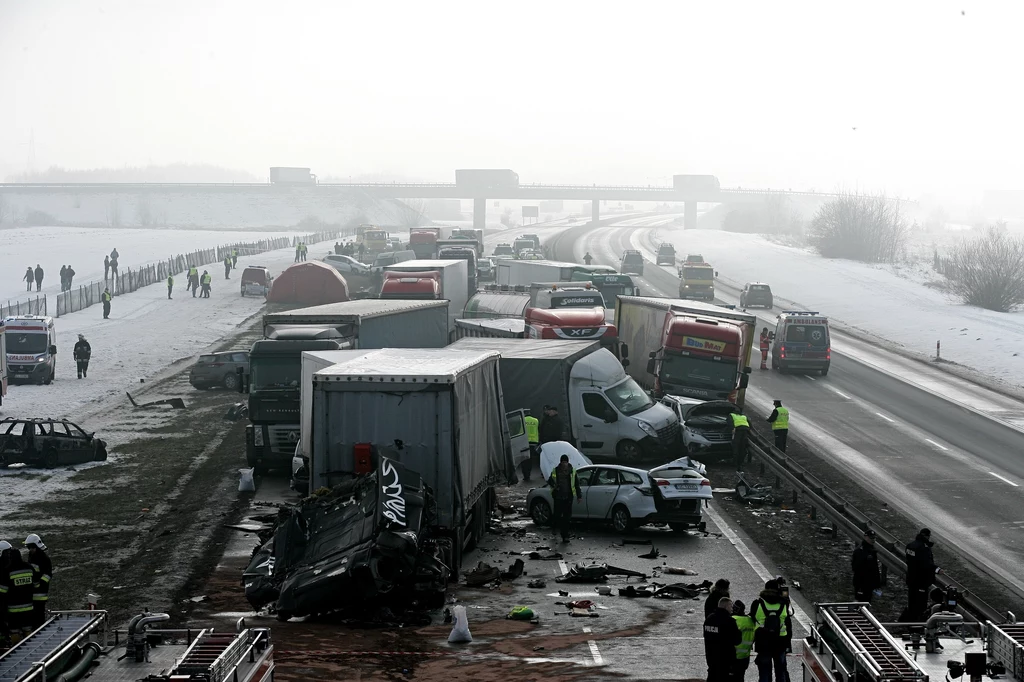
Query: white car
<point x="628" y="497"/>
<point x="346" y="264"/>
<point x="706" y="426"/>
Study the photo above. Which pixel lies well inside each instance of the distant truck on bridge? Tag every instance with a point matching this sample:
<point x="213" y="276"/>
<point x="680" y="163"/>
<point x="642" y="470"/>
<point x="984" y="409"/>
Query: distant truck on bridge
<point x="283" y="175"/>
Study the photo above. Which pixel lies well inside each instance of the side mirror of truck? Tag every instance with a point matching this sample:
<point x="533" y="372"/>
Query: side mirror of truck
<point x="624" y="350"/>
<point x="716" y="273"/>
<point x="745" y="378"/>
<point x="53" y="349"/>
<point x="650" y="366"/>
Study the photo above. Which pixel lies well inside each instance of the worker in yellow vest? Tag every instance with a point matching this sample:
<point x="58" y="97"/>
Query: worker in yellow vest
<point x="740" y="433"/>
<point x="779" y="419"/>
<point x="105" y="298"/>
<point x="747" y="628"/>
<point x="532" y="435"/>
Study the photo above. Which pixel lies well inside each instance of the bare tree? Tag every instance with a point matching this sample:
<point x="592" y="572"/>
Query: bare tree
<point x="143" y="212"/>
<point x="865" y="228"/>
<point x="507" y="218"/>
<point x="771" y="215"/>
<point x="413" y="212"/>
<point x="987" y="271"/>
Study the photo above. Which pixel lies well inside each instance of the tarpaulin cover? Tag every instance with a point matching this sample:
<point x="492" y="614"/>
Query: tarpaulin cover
<point x="309" y="283"/>
<point x="551" y="453"/>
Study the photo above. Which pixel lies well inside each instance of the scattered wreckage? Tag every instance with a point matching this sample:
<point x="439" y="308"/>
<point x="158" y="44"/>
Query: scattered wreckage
<point x="367" y="542"/>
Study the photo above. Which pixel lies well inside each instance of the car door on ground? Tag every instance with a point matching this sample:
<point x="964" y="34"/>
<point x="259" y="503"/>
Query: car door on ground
<point x="601" y="493"/>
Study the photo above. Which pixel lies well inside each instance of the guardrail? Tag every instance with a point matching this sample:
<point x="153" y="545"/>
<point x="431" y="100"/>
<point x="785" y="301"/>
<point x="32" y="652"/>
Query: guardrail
<point x="854" y="522"/>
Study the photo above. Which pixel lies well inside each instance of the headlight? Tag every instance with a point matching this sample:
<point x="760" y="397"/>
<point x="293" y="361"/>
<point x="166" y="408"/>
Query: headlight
<point x="648" y="429"/>
<point x="40" y="359"/>
<point x="686" y="286"/>
<point x="257" y="436"/>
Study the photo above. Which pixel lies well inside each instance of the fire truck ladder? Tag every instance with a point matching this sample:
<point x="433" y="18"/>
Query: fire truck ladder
<point x="212" y="654"/>
<point x="861" y="646"/>
<point x="48" y="646"/>
<point x="1005" y="644"/>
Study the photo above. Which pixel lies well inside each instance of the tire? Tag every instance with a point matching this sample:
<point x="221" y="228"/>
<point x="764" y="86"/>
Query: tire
<point x="540" y="512"/>
<point x="629" y="451"/>
<point x="230" y="382"/>
<point x="101" y="454"/>
<point x="50" y="458"/>
<point x="621" y="521"/>
<point x="824" y="370"/>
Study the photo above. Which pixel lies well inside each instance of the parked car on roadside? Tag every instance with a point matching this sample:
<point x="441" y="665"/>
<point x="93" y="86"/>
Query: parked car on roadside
<point x="706" y="426"/>
<point x="628" y="497"/>
<point x="47" y="443"/>
<point x="256" y="281"/>
<point x="219" y="369"/>
<point x="756" y="293"/>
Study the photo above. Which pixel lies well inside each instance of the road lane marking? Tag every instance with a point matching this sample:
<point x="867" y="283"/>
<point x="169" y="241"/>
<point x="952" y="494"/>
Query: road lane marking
<point x="888" y="419"/>
<point x="940" y="447"/>
<point x="594" y="651"/>
<point x="838" y="392"/>
<point x="810" y="377"/>
<point x="1004" y="480"/>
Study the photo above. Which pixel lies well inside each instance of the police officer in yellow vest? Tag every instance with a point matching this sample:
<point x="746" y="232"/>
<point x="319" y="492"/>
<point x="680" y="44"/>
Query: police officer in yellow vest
<point x="740" y="433"/>
<point x="533" y="435"/>
<point x="747" y="629"/>
<point x="206" y="281"/>
<point x="193" y="281"/>
<point x="105" y="298"/>
<point x="779" y="419"/>
<point x="16" y="591"/>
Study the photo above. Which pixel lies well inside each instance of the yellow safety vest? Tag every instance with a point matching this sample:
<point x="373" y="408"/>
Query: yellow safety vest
<point x="532" y="429"/>
<point x="207" y="279"/>
<point x="747" y="628"/>
<point x="782" y="420"/>
<point x="193" y="272"/>
<point x="739" y="420"/>
<point x="764" y="608"/>
<point x="106" y="297"/>
<point x="170" y="281"/>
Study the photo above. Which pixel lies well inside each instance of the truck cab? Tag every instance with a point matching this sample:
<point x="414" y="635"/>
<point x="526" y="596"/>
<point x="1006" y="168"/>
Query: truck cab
<point x="520" y="245"/>
<point x="376" y="240"/>
<point x="31" y="349"/>
<point x="408" y="285"/>
<point x="802" y="342"/>
<point x="423" y="243"/>
<point x="697" y="280"/>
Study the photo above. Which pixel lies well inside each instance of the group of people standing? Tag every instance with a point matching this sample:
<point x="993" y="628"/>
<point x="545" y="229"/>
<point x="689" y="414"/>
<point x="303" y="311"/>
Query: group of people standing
<point x="195" y="283"/>
<point x="67" y="274"/>
<point x="33" y="276"/>
<point x="779" y="421"/>
<point x="731" y="632"/>
<point x="300" y="252"/>
<point x="110" y="265"/>
<point x="349" y="249"/>
<point x="24" y="588"/>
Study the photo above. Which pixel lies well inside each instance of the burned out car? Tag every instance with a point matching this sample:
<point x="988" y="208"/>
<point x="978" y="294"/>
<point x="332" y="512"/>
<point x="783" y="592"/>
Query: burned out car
<point x="366" y="540"/>
<point x="47" y="443"/>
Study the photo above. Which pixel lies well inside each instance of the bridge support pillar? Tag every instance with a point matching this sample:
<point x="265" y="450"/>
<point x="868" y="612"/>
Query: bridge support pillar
<point x="479" y="214"/>
<point x="690" y="215"/>
<point x="595" y="211"/>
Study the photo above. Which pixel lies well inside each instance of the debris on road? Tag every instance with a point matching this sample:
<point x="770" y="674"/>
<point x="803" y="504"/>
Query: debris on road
<point x="460" y="630"/>
<point x="521" y="613"/>
<point x="537" y="583"/>
<point x="514" y="571"/>
<point x="674" y="570"/>
<point x="483" y="574"/>
<point x="653" y="554"/>
<point x="753" y="493"/>
<point x="173" y="403"/>
<point x="596" y="573"/>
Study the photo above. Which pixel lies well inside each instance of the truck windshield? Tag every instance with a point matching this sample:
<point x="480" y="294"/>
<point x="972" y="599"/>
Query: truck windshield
<point x="697" y="273"/>
<point x="274" y="373"/>
<point x="628" y="397"/>
<point x="26" y="344"/>
<point x="698" y="372"/>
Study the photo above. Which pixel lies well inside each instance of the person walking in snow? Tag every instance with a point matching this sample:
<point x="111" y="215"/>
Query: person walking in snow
<point x="207" y="281"/>
<point x="29" y="278"/>
<point x="234" y="258"/>
<point x="82" y="353"/>
<point x="298" y="252"/>
<point x="227" y="267"/>
<point x="105" y="297"/>
<point x="71" y="276"/>
<point x="170" y="286"/>
<point x="38" y="277"/>
<point x="63" y="278"/>
<point x="106" y="268"/>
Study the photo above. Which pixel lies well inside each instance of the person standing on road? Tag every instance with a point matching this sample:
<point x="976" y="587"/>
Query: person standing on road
<point x="227" y="267"/>
<point x="551" y="427"/>
<point x="193" y="280"/>
<point x="113" y="266"/>
<point x="720" y="589"/>
<point x="866" y="576"/>
<point x="234" y="258"/>
<point x="105" y="297"/>
<point x="38" y="275"/>
<point x="63" y="278"/>
<point x="766" y="345"/>
<point x="788" y="638"/>
<point x="71" y="276"/>
<point x="81" y="354"/>
<point x="921" y="572"/>
<point x="747" y="629"/>
<point x="16" y="590"/>
<point x="563" y="490"/>
<point x="533" y="436"/>
<point x="106" y="268"/>
<point x="587" y="258"/>
<point x="29" y="278"/>
<point x="170" y="286"/>
<point x="298" y="251"/>
<point x="207" y="282"/>
<point x="721" y="637"/>
<point x="740" y="433"/>
<point x="770" y="638"/>
<point x="779" y="419"/>
<point x="42" y="572"/>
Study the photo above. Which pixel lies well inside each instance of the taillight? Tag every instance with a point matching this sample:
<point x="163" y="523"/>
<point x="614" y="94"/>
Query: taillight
<point x="661" y="482"/>
<point x="828" y="353"/>
<point x="645" y="491"/>
<point x="705" y="482"/>
<point x="782" y="351"/>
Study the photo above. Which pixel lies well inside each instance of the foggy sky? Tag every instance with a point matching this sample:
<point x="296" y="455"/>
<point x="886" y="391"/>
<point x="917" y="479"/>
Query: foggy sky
<point x="760" y="94"/>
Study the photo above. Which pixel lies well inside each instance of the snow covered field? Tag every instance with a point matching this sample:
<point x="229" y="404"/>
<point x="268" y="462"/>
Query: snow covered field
<point x="888" y="302"/>
<point x="83" y="248"/>
<point x="145" y="333"/>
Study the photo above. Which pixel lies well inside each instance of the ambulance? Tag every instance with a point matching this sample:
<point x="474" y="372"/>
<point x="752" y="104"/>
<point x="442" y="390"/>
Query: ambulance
<point x="802" y="342"/>
<point x="30" y="349"/>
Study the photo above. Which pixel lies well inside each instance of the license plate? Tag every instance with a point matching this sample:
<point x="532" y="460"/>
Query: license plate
<point x="686" y="486"/>
<point x="21" y="376"/>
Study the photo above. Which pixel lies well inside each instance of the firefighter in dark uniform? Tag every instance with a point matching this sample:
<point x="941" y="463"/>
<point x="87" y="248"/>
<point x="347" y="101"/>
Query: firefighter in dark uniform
<point x="82" y="352"/>
<point x="721" y="636"/>
<point x="779" y="419"/>
<point x="16" y="590"/>
<point x="42" y="570"/>
<point x="921" y="572"/>
<point x="866" y="576"/>
<point x="740" y="433"/>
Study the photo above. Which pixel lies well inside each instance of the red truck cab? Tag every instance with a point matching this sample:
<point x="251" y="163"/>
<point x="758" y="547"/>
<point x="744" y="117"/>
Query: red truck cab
<point x="411" y="285"/>
<point x="423" y="243"/>
<point x="581" y="324"/>
<point x="702" y="358"/>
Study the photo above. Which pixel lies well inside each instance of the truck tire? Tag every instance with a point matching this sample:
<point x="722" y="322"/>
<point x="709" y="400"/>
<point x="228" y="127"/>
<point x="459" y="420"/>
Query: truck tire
<point x="824" y="370"/>
<point x="629" y="451"/>
<point x="621" y="521"/>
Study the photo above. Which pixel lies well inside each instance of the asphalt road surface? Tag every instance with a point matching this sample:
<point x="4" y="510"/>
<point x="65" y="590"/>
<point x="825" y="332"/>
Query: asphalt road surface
<point x="942" y="463"/>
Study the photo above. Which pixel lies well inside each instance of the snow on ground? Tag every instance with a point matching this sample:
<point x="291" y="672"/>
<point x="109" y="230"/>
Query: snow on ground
<point x="145" y="333"/>
<point x="890" y="303"/>
<point x="83" y="248"/>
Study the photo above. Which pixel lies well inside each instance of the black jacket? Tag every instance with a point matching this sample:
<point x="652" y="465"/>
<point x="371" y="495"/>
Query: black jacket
<point x="39" y="274"/>
<point x="764" y="640"/>
<point x="82" y="350"/>
<point x="866" y="576"/>
<point x="550" y="428"/>
<point x="721" y="635"/>
<point x="711" y="603"/>
<point x="920" y="562"/>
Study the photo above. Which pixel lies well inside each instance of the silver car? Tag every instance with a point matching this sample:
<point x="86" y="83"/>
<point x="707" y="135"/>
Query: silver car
<point x="706" y="426"/>
<point x="628" y="497"/>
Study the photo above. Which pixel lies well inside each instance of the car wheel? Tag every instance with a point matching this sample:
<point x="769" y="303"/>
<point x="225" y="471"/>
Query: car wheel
<point x="101" y="453"/>
<point x="621" y="521"/>
<point x="679" y="527"/>
<point x="50" y="457"/>
<point x="231" y="381"/>
<point x="49" y="377"/>
<point x="629" y="451"/>
<point x="540" y="512"/>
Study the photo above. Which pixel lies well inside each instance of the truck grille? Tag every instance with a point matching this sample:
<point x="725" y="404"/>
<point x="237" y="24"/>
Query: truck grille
<point x="669" y="434"/>
<point x="283" y="438"/>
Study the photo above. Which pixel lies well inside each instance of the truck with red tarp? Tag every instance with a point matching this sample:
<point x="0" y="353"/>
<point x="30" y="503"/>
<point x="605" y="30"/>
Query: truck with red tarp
<point x="691" y="348"/>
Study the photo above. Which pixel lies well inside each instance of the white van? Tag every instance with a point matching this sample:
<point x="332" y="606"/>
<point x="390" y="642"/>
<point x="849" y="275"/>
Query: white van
<point x="31" y="349"/>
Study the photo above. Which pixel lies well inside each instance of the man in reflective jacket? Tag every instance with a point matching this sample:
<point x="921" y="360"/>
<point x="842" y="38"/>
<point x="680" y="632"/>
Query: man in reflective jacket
<point x="747" y="629"/>
<point x="740" y="433"/>
<point x="563" y="490"/>
<point x="779" y="419"/>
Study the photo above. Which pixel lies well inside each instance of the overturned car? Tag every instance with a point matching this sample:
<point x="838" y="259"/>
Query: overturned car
<point x="368" y="540"/>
